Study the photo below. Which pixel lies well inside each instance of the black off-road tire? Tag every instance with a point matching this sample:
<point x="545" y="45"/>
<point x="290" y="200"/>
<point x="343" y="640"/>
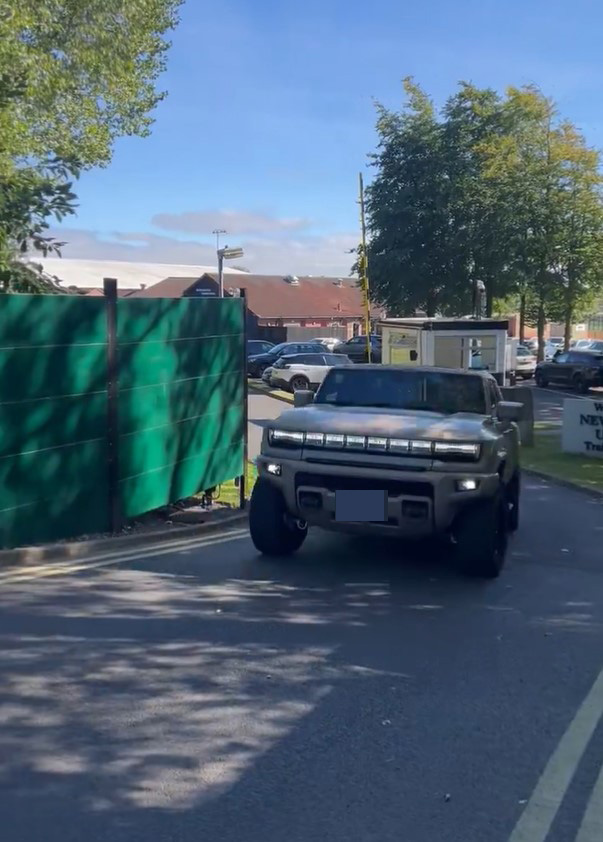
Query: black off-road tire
<point x="480" y="538"/>
<point x="541" y="380"/>
<point x="299" y="382"/>
<point x="513" y="494"/>
<point x="271" y="531"/>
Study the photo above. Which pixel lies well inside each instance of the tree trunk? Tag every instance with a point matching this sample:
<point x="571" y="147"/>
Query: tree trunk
<point x="569" y="318"/>
<point x="489" y="299"/>
<point x="541" y="327"/>
<point x="522" y="317"/>
<point x="569" y="309"/>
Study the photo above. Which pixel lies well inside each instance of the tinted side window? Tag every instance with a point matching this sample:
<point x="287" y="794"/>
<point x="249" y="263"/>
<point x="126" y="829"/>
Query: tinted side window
<point x="491" y="394"/>
<point x="562" y="358"/>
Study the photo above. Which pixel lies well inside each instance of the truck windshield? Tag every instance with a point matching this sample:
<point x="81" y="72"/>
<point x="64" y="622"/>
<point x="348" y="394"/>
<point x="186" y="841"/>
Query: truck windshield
<point x="419" y="390"/>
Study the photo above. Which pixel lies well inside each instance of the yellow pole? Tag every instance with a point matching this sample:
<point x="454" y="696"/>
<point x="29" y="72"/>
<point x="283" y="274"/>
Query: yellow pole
<point x="363" y="271"/>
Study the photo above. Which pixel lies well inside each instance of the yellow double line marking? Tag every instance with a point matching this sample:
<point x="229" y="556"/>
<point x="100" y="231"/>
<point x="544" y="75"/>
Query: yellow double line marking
<point x="110" y="559"/>
<point x="537" y="818"/>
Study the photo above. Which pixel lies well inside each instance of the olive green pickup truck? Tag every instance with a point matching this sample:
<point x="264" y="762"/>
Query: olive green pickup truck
<point x="393" y="450"/>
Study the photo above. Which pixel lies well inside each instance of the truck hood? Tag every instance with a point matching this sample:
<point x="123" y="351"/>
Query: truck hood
<point x="395" y="423"/>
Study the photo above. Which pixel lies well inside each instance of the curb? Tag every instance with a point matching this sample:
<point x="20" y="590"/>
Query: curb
<point x="278" y="396"/>
<point x="596" y="493"/>
<point x="76" y="549"/>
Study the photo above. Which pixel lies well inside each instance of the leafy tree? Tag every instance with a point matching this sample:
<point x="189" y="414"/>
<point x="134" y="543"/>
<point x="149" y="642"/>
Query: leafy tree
<point x="411" y="253"/>
<point x="74" y="76"/>
<point x="475" y="123"/>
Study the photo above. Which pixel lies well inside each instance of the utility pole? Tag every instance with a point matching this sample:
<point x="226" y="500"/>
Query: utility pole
<point x="217" y="232"/>
<point x="363" y="271"/>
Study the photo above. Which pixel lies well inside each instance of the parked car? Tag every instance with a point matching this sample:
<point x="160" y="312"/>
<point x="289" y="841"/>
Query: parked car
<point x="579" y="369"/>
<point x="595" y="345"/>
<point x="525" y="365"/>
<point x="258" y="346"/>
<point x="304" y="371"/>
<point x="257" y="364"/>
<point x="355" y="348"/>
<point x="330" y="342"/>
<point x="580" y="344"/>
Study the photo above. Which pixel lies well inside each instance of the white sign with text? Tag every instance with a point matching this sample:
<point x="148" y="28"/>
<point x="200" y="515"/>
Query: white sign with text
<point x="583" y="427"/>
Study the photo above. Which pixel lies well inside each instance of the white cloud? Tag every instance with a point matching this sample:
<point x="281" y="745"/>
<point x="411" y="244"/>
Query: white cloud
<point x="299" y="255"/>
<point x="235" y="222"/>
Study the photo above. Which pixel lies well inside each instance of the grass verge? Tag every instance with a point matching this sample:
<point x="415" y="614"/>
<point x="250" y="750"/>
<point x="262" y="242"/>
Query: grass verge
<point x="229" y="492"/>
<point x="546" y="457"/>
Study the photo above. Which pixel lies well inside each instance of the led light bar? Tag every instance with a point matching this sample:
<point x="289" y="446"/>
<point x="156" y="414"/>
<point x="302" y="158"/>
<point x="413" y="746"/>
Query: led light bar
<point x="377" y="444"/>
<point x="456" y="449"/>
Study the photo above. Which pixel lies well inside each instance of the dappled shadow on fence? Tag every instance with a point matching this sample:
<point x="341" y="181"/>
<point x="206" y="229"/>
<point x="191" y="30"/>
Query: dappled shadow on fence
<point x="180" y="409"/>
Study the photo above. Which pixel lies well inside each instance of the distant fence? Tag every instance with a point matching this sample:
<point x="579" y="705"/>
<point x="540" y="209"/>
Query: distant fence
<point x="112" y="407"/>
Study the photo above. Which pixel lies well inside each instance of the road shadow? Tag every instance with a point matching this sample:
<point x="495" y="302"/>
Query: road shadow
<point x="145" y="703"/>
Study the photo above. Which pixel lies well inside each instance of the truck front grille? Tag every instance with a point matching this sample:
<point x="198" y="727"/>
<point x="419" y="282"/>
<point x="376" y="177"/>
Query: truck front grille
<point x="394" y="487"/>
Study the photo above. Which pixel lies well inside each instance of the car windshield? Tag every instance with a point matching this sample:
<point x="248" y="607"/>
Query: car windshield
<point x="404" y="389"/>
<point x="524" y="352"/>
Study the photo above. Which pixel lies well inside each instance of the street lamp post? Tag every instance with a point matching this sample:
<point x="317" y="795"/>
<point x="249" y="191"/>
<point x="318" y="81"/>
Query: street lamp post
<point x="226" y="254"/>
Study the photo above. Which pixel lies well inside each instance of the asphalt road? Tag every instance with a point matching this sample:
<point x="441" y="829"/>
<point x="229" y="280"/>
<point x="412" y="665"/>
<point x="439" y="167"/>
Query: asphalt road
<point x="358" y="692"/>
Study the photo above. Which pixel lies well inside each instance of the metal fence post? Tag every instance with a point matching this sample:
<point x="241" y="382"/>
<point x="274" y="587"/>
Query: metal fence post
<point x="110" y="290"/>
<point x="243" y="479"/>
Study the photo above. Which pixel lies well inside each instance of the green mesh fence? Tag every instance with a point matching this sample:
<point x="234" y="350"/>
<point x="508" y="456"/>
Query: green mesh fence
<point x="53" y="412"/>
<point x="181" y="398"/>
<point x="180" y="408"/>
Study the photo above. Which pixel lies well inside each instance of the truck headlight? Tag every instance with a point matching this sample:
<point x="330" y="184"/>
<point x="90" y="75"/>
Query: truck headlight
<point x="464" y="450"/>
<point x="285" y="438"/>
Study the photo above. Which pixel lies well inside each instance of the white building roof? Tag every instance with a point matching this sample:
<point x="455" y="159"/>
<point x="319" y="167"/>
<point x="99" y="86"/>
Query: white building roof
<point x="89" y="274"/>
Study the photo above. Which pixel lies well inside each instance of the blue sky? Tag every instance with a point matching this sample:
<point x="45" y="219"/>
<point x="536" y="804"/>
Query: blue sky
<point x="270" y="117"/>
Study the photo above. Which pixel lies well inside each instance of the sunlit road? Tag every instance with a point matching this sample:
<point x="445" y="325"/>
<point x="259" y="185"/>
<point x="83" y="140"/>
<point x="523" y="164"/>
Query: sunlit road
<point x="352" y="693"/>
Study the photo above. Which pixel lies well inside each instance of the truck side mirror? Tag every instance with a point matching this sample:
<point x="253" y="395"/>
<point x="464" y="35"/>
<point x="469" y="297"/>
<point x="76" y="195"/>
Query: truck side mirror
<point x="509" y="411"/>
<point x="302" y="397"/>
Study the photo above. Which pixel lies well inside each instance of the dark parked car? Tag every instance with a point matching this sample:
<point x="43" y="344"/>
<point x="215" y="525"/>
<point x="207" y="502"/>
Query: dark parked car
<point x="580" y="369"/>
<point x="259" y="362"/>
<point x="355" y="348"/>
<point x="258" y="346"/>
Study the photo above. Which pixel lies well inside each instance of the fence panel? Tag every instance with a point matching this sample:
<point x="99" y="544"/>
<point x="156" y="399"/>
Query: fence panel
<point x="181" y="408"/>
<point x="53" y="414"/>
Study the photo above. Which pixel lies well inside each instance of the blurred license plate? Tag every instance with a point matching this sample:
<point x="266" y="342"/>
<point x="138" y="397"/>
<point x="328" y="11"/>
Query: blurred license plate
<point x="360" y="506"/>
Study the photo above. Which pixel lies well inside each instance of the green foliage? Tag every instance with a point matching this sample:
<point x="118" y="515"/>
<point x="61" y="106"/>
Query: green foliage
<point x="413" y="257"/>
<point x="496" y="189"/>
<point x="74" y="76"/>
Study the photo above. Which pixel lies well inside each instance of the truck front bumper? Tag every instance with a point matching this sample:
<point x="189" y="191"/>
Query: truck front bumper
<point x="419" y="504"/>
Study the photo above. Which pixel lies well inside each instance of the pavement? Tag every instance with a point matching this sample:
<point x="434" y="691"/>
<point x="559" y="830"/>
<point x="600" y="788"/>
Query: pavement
<point x="261" y="408"/>
<point x="548" y="403"/>
<point x="360" y="691"/>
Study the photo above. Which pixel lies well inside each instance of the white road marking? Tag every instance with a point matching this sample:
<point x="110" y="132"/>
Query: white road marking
<point x="539" y="814"/>
<point x="65" y="568"/>
<point x="591" y="829"/>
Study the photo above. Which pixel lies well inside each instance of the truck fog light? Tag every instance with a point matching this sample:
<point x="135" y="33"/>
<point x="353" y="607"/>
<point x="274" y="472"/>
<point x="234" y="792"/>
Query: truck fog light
<point x="274" y="468"/>
<point x="466" y="484"/>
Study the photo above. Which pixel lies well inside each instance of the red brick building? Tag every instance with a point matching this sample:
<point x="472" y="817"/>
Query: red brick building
<point x="281" y="308"/>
